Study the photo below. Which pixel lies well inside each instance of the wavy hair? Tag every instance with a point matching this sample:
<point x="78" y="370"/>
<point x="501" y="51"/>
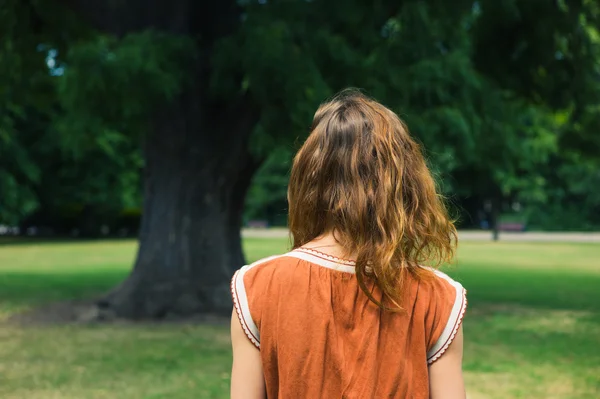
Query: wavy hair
<point x="360" y="176"/>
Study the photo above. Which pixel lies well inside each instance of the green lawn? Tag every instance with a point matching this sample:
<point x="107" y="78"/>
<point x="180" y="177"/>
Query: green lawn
<point x="532" y="329"/>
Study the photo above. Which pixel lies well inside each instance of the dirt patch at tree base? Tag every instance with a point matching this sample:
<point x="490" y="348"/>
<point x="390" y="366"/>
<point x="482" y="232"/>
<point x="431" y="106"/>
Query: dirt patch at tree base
<point x="88" y="312"/>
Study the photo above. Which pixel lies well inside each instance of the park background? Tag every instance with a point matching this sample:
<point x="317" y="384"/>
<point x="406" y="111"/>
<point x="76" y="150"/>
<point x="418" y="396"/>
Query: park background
<point x="139" y="139"/>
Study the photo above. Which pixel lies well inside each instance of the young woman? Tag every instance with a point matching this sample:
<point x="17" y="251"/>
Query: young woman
<point x="352" y="311"/>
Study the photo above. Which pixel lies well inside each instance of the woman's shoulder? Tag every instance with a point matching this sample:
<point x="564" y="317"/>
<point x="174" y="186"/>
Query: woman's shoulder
<point x="263" y="272"/>
<point x="445" y="302"/>
<point x="441" y="281"/>
<point x="439" y="291"/>
<point x="263" y="266"/>
<point x="248" y="287"/>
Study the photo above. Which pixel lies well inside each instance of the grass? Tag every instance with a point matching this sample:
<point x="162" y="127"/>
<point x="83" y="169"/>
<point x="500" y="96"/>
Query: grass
<point x="532" y="329"/>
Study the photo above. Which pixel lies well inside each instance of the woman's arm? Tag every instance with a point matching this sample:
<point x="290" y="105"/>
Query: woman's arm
<point x="247" y="379"/>
<point x="445" y="375"/>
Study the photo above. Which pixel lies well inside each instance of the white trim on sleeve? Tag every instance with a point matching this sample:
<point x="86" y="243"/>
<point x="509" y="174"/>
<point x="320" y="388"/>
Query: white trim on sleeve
<point x="454" y="321"/>
<point x="240" y="302"/>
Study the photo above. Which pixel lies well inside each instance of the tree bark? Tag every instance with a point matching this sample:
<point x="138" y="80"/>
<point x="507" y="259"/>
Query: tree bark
<point x="197" y="171"/>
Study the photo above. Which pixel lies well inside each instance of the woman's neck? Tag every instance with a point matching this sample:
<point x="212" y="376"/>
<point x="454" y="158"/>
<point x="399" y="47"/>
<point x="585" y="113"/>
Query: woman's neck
<point x="328" y="244"/>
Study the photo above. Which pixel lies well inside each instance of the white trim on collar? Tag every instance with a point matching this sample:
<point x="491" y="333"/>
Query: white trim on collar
<point x="322" y="259"/>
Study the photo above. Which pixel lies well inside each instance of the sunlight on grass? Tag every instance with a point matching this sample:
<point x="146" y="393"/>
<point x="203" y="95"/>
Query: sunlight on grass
<point x="513" y="352"/>
<point x="65" y="257"/>
<point x="116" y="361"/>
<point x="531" y="330"/>
<point x="564" y="258"/>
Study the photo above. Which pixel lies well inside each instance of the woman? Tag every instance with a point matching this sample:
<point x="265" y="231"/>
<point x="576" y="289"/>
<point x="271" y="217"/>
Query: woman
<point x="352" y="312"/>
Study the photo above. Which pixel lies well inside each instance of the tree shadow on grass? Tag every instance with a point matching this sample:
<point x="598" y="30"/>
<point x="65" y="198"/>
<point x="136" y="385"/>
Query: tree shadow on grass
<point x="33" y="299"/>
<point x="50" y="296"/>
<point x="535" y="289"/>
<point x="8" y="241"/>
<point x="49" y="287"/>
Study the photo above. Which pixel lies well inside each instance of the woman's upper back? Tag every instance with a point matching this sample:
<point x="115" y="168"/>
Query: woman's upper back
<point x="320" y="336"/>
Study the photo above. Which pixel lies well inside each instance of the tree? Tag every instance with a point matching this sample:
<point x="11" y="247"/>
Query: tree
<point x="156" y="56"/>
<point x="25" y="87"/>
<point x="146" y="76"/>
<point x="209" y="89"/>
<point x="558" y="72"/>
<point x="46" y="179"/>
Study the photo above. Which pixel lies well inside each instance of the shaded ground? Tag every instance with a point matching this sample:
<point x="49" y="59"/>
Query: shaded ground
<point x="59" y="313"/>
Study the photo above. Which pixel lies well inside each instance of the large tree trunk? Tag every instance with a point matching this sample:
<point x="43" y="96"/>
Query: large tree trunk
<point x="197" y="172"/>
<point x="196" y="178"/>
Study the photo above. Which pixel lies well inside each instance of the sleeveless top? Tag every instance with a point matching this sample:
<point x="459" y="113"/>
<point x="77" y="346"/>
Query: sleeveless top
<point x="321" y="337"/>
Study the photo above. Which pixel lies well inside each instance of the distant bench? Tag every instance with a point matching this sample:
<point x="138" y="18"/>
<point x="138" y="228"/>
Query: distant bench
<point x="258" y="224"/>
<point x="511" y="226"/>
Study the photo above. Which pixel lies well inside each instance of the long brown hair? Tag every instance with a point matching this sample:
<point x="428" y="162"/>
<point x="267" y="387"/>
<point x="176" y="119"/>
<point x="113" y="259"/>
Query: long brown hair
<point x="360" y="176"/>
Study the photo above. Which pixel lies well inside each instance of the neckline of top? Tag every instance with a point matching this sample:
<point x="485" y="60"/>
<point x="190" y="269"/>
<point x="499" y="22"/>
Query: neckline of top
<point x="326" y="256"/>
<point x="323" y="259"/>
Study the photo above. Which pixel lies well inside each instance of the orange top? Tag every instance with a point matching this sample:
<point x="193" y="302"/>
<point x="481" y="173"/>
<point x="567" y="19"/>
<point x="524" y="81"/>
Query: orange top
<point x="320" y="337"/>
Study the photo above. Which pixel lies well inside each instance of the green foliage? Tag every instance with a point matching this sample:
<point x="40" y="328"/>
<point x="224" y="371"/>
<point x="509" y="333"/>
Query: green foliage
<point x="106" y="97"/>
<point x="18" y="173"/>
<point x="110" y="85"/>
<point x="572" y="200"/>
<point x="489" y="124"/>
<point x="26" y="89"/>
<point x="60" y="184"/>
<point x="285" y="85"/>
<point x="515" y="46"/>
<point x="503" y="94"/>
<point x="87" y="191"/>
<point x="75" y="104"/>
<point x="488" y="131"/>
<point x="267" y="197"/>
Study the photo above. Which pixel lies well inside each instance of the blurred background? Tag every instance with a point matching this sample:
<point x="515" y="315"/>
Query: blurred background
<point x="144" y="155"/>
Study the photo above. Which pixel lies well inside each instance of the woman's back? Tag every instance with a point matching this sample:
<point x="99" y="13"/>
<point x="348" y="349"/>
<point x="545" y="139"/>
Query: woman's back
<point x="321" y="337"/>
<point x="310" y="325"/>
